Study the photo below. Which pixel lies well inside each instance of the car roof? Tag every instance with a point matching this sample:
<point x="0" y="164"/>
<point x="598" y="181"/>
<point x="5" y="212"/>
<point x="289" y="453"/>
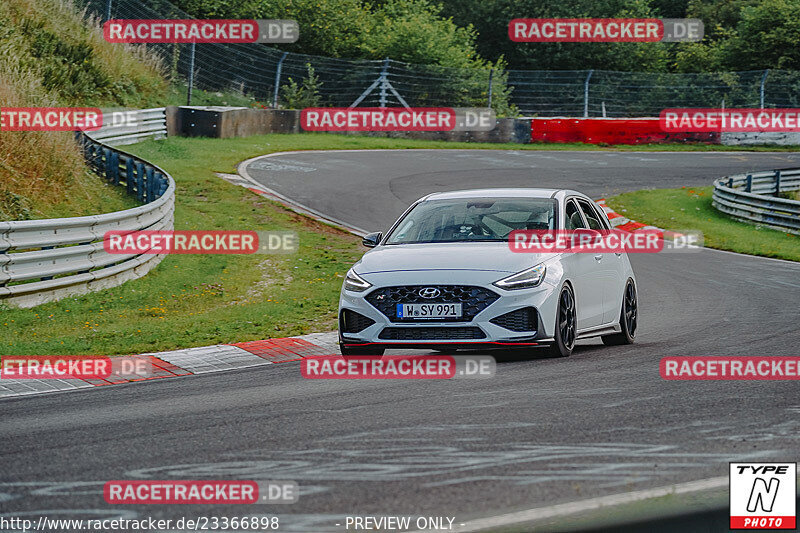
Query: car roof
<point x="518" y="192"/>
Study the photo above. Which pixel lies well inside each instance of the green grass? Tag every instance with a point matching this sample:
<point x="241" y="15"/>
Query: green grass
<point x="690" y="208"/>
<point x="193" y="300"/>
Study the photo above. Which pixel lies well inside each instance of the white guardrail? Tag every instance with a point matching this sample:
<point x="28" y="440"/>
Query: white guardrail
<point x="754" y="198"/>
<point x="45" y="260"/>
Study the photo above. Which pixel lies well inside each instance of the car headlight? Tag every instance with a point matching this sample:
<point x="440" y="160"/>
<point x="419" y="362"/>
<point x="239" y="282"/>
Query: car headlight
<point x="354" y="282"/>
<point x="526" y="279"/>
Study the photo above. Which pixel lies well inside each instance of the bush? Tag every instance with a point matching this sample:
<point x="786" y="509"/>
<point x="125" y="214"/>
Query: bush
<point x="305" y="94"/>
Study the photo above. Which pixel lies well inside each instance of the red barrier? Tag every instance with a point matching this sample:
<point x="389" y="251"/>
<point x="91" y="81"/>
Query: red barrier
<point x="611" y="131"/>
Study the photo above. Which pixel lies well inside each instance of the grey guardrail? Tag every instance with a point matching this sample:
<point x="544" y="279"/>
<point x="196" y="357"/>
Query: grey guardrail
<point x="754" y="198"/>
<point x="45" y="260"/>
<point x="132" y="126"/>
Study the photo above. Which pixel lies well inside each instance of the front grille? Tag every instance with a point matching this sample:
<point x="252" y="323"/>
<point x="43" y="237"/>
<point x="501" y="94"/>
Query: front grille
<point x="473" y="300"/>
<point x="352" y="322"/>
<point x="524" y="319"/>
<point x="431" y="334"/>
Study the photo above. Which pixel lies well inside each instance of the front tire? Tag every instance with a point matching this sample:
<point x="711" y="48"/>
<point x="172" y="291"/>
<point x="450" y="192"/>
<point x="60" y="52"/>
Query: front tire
<point x="628" y="319"/>
<point x="360" y="350"/>
<point x="566" y="328"/>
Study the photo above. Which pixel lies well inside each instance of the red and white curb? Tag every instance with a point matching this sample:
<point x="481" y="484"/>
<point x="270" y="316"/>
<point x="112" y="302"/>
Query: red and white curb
<point x="625" y="224"/>
<point x="191" y="361"/>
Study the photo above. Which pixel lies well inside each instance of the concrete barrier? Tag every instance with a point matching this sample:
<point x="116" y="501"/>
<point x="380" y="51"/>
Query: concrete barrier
<point x="227" y="122"/>
<point x="611" y="131"/>
<point x="751" y="138"/>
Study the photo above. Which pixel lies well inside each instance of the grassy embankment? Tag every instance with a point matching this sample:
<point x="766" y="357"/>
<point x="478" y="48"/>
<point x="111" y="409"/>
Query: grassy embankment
<point x="50" y="56"/>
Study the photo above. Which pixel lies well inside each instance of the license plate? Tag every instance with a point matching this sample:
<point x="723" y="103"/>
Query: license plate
<point x="428" y="310"/>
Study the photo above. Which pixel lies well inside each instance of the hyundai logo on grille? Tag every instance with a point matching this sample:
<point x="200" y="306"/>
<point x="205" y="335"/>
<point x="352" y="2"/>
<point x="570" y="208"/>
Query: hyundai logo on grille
<point x="429" y="292"/>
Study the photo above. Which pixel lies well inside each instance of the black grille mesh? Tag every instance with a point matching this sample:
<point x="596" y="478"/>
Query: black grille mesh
<point x="473" y="300"/>
<point x="352" y="322"/>
<point x="431" y="334"/>
<point x="520" y="320"/>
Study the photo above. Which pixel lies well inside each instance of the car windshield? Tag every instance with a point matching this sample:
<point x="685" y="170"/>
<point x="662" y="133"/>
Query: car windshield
<point x="472" y="219"/>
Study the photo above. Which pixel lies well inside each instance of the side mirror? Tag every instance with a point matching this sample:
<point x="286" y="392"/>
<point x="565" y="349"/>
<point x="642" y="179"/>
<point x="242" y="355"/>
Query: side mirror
<point x="372" y="240"/>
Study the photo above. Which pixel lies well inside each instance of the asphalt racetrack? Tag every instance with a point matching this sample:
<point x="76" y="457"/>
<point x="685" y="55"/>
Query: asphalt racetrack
<point x="540" y="432"/>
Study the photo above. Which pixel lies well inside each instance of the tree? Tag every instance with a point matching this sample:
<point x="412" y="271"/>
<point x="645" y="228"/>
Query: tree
<point x="491" y="20"/>
<point x="767" y="36"/>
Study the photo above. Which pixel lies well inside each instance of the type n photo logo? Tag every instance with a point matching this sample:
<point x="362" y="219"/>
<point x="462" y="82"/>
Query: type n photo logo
<point x="763" y="495"/>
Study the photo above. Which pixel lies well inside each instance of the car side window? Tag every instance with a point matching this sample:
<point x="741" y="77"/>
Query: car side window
<point x="573" y="217"/>
<point x="591" y="215"/>
<point x="602" y="216"/>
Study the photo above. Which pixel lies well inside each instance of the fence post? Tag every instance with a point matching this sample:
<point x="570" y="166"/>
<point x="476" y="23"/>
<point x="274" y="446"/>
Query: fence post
<point x="763" y="84"/>
<point x="586" y="94"/>
<point x="130" y="175"/>
<point x="777" y="182"/>
<point x="140" y="181"/>
<point x="148" y="184"/>
<point x="108" y="10"/>
<point x="191" y="74"/>
<point x="749" y="184"/>
<point x="384" y="73"/>
<point x="278" y="80"/>
<point x="491" y="76"/>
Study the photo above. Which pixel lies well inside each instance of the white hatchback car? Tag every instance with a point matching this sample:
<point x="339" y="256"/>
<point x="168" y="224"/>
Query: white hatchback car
<point x="444" y="277"/>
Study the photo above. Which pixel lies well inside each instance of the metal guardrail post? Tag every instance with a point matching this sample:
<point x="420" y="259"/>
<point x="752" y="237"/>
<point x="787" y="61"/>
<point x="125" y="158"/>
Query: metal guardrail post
<point x="278" y="80"/>
<point x="191" y="74"/>
<point x="140" y="181"/>
<point x="748" y="187"/>
<point x="148" y="184"/>
<point x="107" y="160"/>
<point x="586" y="94"/>
<point x="384" y="73"/>
<point x="763" y="84"/>
<point x="129" y="175"/>
<point x="777" y="182"/>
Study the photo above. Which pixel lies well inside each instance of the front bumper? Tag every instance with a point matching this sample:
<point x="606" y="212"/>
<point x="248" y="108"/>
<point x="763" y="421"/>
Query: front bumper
<point x="480" y="329"/>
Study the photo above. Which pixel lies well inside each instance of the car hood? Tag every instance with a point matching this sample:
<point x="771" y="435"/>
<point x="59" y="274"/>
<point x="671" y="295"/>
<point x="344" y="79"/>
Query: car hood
<point x="486" y="256"/>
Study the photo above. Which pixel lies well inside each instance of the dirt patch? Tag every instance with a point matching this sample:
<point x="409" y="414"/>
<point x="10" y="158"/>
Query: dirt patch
<point x="268" y="279"/>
